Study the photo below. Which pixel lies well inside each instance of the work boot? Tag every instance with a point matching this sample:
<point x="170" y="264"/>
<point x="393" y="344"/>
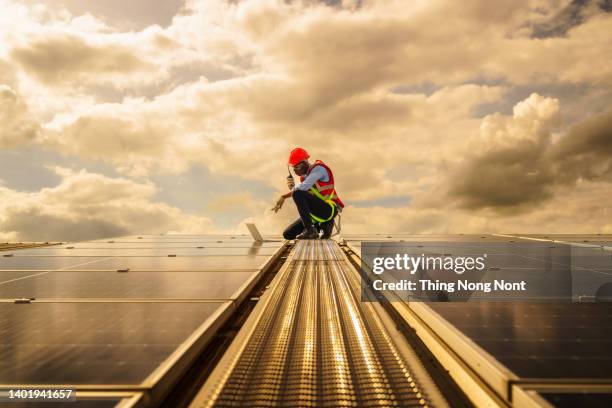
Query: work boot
<point x="309" y="233"/>
<point x="327" y="227"/>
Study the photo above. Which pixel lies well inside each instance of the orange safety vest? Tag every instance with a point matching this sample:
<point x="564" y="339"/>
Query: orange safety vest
<point x="324" y="188"/>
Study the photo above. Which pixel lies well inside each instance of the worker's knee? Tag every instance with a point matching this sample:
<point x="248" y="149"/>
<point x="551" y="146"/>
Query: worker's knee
<point x="289" y="235"/>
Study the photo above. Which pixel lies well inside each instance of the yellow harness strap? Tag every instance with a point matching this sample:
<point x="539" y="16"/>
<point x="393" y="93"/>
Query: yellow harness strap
<point x="329" y="201"/>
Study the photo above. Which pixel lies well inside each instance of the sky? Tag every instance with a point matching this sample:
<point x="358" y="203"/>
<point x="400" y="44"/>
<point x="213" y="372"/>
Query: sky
<point x="438" y="116"/>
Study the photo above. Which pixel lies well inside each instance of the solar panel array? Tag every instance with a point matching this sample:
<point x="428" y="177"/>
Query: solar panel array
<point x="119" y="313"/>
<point x="578" y="399"/>
<point x="555" y="343"/>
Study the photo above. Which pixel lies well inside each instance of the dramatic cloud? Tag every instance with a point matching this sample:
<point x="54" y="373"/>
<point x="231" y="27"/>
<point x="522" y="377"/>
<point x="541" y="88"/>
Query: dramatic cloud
<point x="518" y="162"/>
<point x="66" y="57"/>
<point x="17" y="126"/>
<point x="586" y="151"/>
<point x="86" y="206"/>
<point x="575" y="13"/>
<point x="129" y="14"/>
<point x="423" y="109"/>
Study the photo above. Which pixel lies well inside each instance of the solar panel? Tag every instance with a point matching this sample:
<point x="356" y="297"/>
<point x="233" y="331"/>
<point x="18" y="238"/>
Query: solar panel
<point x="111" y="285"/>
<point x="93" y="343"/>
<point x="178" y="239"/>
<point x="578" y="238"/>
<point x="43" y="263"/>
<point x="118" y="251"/>
<point x="165" y="245"/>
<point x="426" y="238"/>
<point x="578" y="399"/>
<point x="119" y="312"/>
<point x="570" y="341"/>
<point x="9" y="276"/>
<point x="566" y="340"/>
<point x="169" y="263"/>
<point x="176" y="263"/>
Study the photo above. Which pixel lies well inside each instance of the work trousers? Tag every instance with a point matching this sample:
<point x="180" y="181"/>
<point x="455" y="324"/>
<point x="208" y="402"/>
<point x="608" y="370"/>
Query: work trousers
<point x="307" y="204"/>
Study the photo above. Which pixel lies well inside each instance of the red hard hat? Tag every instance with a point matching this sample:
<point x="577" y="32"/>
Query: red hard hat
<point x="297" y="155"/>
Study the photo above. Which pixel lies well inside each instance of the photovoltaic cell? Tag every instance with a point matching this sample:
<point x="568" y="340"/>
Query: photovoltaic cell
<point x="176" y="263"/>
<point x="43" y="263"/>
<point x="92" y="343"/>
<point x="535" y="340"/>
<point x="166" y="245"/>
<point x="7" y="277"/>
<point x="193" y="251"/>
<point x="100" y="285"/>
<point x="427" y="238"/>
<point x="538" y="340"/>
<point x="178" y="239"/>
<point x="101" y="326"/>
<point x="579" y="399"/>
<point x="578" y="238"/>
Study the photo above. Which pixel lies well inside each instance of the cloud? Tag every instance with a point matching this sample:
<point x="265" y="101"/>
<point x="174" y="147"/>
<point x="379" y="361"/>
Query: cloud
<point x="86" y="205"/>
<point x="393" y="96"/>
<point x="517" y="161"/>
<point x="586" y="151"/>
<point x="580" y="209"/>
<point x="332" y="55"/>
<point x="127" y="141"/>
<point x="17" y="125"/>
<point x="574" y="14"/>
<point x="69" y="58"/>
<point x="134" y="14"/>
<point x="80" y="54"/>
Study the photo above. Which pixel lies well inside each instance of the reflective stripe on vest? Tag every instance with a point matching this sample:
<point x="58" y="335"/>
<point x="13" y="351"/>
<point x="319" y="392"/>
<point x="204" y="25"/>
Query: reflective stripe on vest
<point x="325" y="189"/>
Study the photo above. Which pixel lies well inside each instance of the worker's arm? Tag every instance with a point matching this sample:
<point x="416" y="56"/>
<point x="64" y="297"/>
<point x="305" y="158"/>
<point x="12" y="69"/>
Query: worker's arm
<point x="316" y="174"/>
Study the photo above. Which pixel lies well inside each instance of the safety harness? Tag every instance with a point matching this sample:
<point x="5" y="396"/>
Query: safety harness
<point x="328" y="200"/>
<point x="330" y="196"/>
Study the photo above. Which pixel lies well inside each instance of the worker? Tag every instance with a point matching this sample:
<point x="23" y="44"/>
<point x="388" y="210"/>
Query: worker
<point x="315" y="198"/>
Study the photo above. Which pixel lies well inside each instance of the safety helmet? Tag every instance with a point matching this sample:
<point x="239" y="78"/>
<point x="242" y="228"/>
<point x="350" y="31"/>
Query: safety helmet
<point x="298" y="155"/>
